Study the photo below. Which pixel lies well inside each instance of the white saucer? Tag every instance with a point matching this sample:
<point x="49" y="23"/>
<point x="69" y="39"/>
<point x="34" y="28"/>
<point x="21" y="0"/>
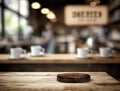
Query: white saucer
<point x="11" y="58"/>
<point x="41" y="54"/>
<point x="86" y="57"/>
<point x="110" y="56"/>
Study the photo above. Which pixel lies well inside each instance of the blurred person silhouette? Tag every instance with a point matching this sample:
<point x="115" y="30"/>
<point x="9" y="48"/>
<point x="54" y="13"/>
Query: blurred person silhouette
<point x="48" y="39"/>
<point x="98" y="33"/>
<point x="97" y="37"/>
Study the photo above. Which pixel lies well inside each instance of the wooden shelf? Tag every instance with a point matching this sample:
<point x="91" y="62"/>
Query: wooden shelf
<point x="114" y="8"/>
<point x="114" y="22"/>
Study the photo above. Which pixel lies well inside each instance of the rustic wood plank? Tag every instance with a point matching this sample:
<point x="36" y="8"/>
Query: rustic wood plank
<point x="59" y="59"/>
<point x="46" y="81"/>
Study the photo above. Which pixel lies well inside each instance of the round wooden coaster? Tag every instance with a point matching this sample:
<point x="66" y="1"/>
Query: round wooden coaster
<point x="73" y="77"/>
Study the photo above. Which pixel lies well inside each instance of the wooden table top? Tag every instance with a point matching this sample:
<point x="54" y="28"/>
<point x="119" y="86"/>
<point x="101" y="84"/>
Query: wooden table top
<point x="59" y="59"/>
<point x="46" y="81"/>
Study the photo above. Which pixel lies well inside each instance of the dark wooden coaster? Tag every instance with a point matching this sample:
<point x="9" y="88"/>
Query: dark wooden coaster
<point x="73" y="77"/>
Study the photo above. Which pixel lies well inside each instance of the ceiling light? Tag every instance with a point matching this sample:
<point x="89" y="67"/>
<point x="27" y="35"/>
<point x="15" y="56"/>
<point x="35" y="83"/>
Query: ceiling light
<point x="93" y="4"/>
<point x="53" y="20"/>
<point x="51" y="15"/>
<point x="44" y="10"/>
<point x="97" y="1"/>
<point x="35" y="5"/>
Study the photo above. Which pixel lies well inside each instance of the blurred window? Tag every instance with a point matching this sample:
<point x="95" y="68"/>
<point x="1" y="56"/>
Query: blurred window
<point x="24" y="7"/>
<point x="11" y="23"/>
<point x="16" y="13"/>
<point x="12" y="4"/>
<point x="25" y="28"/>
<point x="23" y="22"/>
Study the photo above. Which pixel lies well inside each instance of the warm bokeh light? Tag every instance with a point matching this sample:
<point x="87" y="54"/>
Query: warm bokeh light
<point x="44" y="10"/>
<point x="35" y="5"/>
<point x="93" y="4"/>
<point x="98" y="1"/>
<point x="51" y="15"/>
<point x="53" y="20"/>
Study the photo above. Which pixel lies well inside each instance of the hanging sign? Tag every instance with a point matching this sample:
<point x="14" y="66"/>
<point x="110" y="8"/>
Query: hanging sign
<point x="75" y="15"/>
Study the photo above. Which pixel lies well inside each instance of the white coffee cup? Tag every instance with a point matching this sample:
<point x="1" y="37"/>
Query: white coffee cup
<point x="36" y="50"/>
<point x="17" y="52"/>
<point x="82" y="52"/>
<point x="105" y="52"/>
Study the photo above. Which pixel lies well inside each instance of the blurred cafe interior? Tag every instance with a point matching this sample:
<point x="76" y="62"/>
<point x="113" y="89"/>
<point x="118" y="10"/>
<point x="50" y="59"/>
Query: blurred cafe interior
<point x="22" y="23"/>
<point x="63" y="30"/>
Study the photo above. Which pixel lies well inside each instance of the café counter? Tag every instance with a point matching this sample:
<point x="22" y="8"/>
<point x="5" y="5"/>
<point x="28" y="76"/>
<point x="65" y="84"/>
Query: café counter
<point x="59" y="59"/>
<point x="61" y="63"/>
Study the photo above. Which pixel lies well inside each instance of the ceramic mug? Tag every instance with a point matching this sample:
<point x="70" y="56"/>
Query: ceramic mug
<point x="17" y="52"/>
<point x="36" y="50"/>
<point x="82" y="52"/>
<point x="105" y="52"/>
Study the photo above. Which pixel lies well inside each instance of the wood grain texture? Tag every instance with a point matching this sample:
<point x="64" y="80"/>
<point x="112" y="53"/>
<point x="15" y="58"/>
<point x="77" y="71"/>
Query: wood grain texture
<point x="59" y="59"/>
<point x="46" y="81"/>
